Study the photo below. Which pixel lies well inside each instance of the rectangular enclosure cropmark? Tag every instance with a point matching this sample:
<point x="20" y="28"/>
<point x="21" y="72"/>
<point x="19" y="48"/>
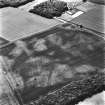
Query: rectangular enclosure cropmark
<point x="61" y="65"/>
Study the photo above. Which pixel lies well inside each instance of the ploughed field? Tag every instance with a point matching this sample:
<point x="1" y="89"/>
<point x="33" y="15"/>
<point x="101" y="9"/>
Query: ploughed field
<point x="64" y="64"/>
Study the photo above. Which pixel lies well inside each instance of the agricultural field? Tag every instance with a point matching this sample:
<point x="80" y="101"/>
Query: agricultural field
<point x="50" y="61"/>
<point x="52" y="52"/>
